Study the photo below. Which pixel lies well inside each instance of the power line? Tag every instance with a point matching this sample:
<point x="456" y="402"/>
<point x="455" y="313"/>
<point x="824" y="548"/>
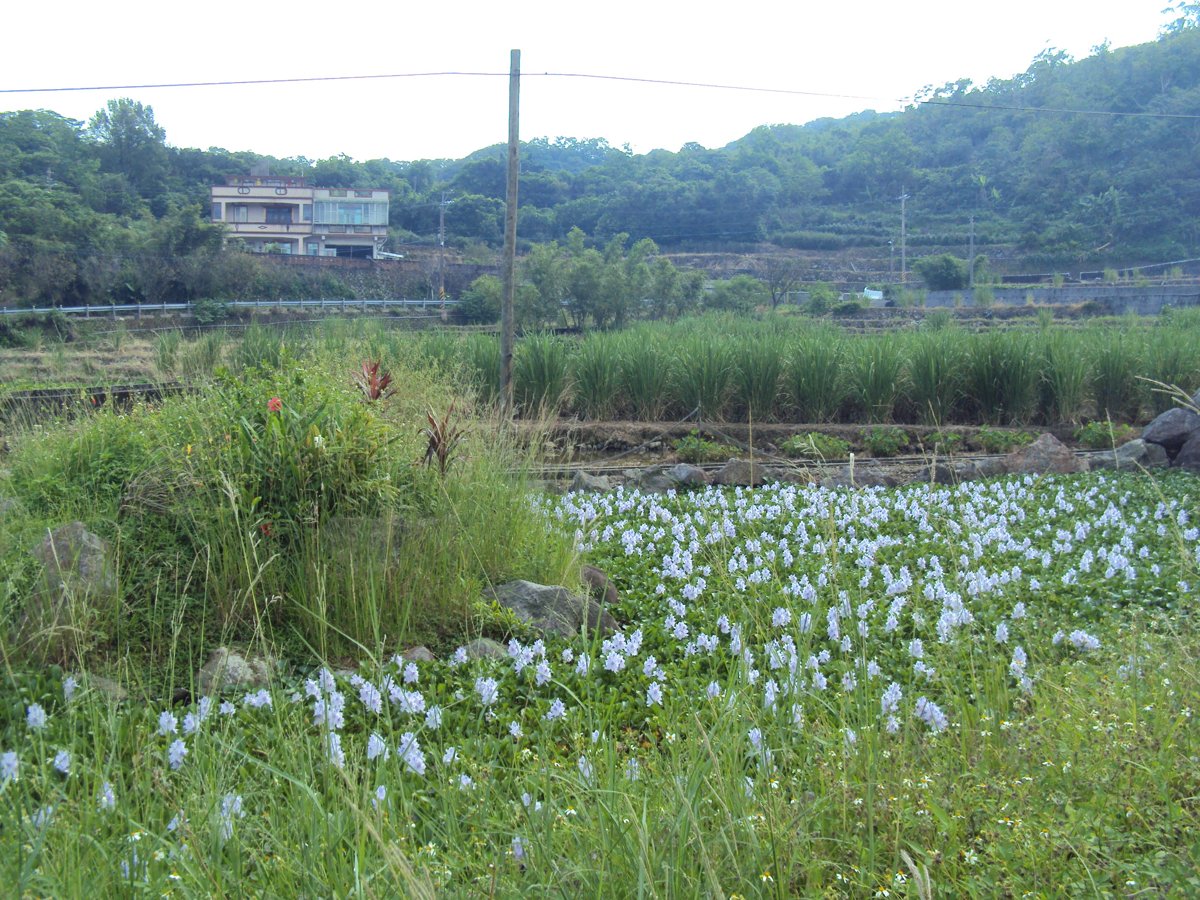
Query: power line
<point x="629" y="79"/>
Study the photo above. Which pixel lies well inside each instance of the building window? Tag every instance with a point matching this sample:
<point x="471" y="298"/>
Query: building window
<point x="313" y="248"/>
<point x="216" y="212"/>
<point x="330" y="212"/>
<point x="238" y="213"/>
<point x="279" y="215"/>
<point x="307" y="212"/>
<point x="362" y="193"/>
<point x="337" y="192"/>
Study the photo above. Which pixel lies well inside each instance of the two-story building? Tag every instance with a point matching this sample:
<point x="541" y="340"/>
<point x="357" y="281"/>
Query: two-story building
<point x="276" y="214"/>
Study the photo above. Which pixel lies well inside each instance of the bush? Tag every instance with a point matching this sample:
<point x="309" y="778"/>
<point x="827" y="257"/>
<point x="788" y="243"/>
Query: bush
<point x="694" y="448"/>
<point x="1105" y="435"/>
<point x="993" y="440"/>
<point x="943" y="272"/>
<point x="480" y="303"/>
<point x="881" y="441"/>
<point x="815" y="446"/>
<point x="943" y="442"/>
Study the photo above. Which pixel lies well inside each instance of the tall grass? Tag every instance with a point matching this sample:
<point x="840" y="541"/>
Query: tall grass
<point x="815" y="377"/>
<point x="758" y="374"/>
<point x="877" y="373"/>
<point x="1115" y="362"/>
<point x="541" y="376"/>
<point x="1002" y="377"/>
<point x="935" y="376"/>
<point x="1064" y="387"/>
<point x="646" y="373"/>
<point x="704" y="370"/>
<point x="596" y="374"/>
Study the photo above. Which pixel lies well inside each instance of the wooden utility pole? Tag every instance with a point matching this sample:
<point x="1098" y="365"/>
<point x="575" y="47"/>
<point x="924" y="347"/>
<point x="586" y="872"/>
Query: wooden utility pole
<point x="442" y="253"/>
<point x="903" y="242"/>
<point x="507" y="327"/>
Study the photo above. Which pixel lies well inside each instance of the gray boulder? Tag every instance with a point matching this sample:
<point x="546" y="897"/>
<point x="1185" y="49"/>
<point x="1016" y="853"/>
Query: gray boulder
<point x="485" y="648"/>
<point x="740" y="473"/>
<point x="1188" y="456"/>
<point x="860" y="475"/>
<point x="600" y="585"/>
<point x="1132" y="455"/>
<point x="941" y="471"/>
<point x="78" y="576"/>
<point x="418" y="654"/>
<point x="584" y="481"/>
<point x="666" y="478"/>
<point x="230" y="670"/>
<point x="1045" y="456"/>
<point x="552" y="609"/>
<point x="1172" y="429"/>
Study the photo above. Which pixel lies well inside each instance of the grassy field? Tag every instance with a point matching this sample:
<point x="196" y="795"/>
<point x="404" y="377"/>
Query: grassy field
<point x="986" y="690"/>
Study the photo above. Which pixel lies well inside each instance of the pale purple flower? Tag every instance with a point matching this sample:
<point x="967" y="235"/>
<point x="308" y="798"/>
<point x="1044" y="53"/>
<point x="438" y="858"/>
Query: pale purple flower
<point x="543" y="674"/>
<point x="107" y="800"/>
<point x="929" y="713"/>
<point x="167" y="723"/>
<point x="376" y="746"/>
<point x="231" y="808"/>
<point x="450" y="756"/>
<point x="191" y="723"/>
<point x="227" y="708"/>
<point x="459" y="658"/>
<point x="336" y="755"/>
<point x="514" y="730"/>
<point x="466" y="783"/>
<point x="487" y="690"/>
<point x="518" y="848"/>
<point x="585" y="769"/>
<point x="713" y="691"/>
<point x="781" y="618"/>
<point x="433" y="718"/>
<point x="10" y="766"/>
<point x="35" y="717"/>
<point x="411" y="675"/>
<point x="410" y="752"/>
<point x="176" y="753"/>
<point x="70" y="683"/>
<point x="370" y="697"/>
<point x="62" y="762"/>
<point x="654" y="694"/>
<point x="557" y="710"/>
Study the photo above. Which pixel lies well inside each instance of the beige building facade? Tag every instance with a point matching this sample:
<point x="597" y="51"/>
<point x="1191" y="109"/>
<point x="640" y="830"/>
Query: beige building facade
<point x="275" y="214"/>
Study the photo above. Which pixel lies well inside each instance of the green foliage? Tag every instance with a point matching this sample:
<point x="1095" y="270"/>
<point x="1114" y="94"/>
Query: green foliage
<point x="740" y="294"/>
<point x="935" y="376"/>
<point x="994" y="440"/>
<point x="877" y="373"/>
<point x="646" y="374"/>
<point x="480" y="303"/>
<point x="815" y="445"/>
<point x="1002" y="377"/>
<point x="696" y="449"/>
<point x="815" y="377"/>
<point x="884" y="441"/>
<point x="704" y="370"/>
<point x="945" y="443"/>
<point x="1105" y="435"/>
<point x="540" y="374"/>
<point x="758" y="372"/>
<point x="596" y="373"/>
<point x="943" y="272"/>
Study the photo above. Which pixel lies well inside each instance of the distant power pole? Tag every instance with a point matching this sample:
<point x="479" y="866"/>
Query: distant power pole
<point x="971" y="256"/>
<point x="507" y="327"/>
<point x="903" y="198"/>
<point x="442" y="252"/>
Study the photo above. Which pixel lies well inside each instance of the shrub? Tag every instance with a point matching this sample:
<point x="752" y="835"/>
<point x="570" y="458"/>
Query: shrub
<point x="993" y="440"/>
<point x="1105" y="435"/>
<point x="596" y="374"/>
<point x="943" y="442"/>
<point x="877" y="374"/>
<point x="541" y="374"/>
<point x="881" y="441"/>
<point x="694" y="448"/>
<point x="943" y="272"/>
<point x="815" y="377"/>
<point x="815" y="445"/>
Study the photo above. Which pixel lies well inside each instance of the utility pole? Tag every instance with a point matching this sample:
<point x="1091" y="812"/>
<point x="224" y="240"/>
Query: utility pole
<point x="903" y="198"/>
<point x="971" y="256"/>
<point x="510" y="233"/>
<point x="891" y="262"/>
<point x="442" y="252"/>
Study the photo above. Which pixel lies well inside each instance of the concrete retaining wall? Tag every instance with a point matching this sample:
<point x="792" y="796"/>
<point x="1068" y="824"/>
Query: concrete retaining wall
<point x="1113" y="299"/>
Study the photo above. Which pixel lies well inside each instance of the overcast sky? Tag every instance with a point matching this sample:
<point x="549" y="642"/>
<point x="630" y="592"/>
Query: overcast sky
<point x="844" y="56"/>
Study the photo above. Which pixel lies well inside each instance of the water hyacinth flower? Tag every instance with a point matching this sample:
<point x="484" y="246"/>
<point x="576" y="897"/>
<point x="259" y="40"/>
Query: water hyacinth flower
<point x="433" y="718"/>
<point x="70" y="684"/>
<point x="336" y="755"/>
<point x="450" y="756"/>
<point x="231" y="808"/>
<point x="487" y="690"/>
<point x="466" y="783"/>
<point x="654" y="694"/>
<point x="514" y="730"/>
<point x="557" y="710"/>
<point x="713" y="691"/>
<point x="10" y="766"/>
<point x="376" y="746"/>
<point x="380" y="796"/>
<point x="518" y="848"/>
<point x="62" y="762"/>
<point x="35" y="717"/>
<point x="410" y="752"/>
<point x="106" y="801"/>
<point x="929" y="713"/>
<point x="176" y="754"/>
<point x="370" y="697"/>
<point x="167" y="723"/>
<point x="191" y="723"/>
<point x="260" y="699"/>
<point x="586" y="772"/>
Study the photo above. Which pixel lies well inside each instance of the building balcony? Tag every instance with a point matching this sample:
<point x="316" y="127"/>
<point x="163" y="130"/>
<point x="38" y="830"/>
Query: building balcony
<point x="264" y="229"/>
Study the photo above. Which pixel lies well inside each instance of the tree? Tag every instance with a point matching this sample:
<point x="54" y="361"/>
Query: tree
<point x="943" y="272"/>
<point x="780" y="274"/>
<point x="132" y="144"/>
<point x="739" y="294"/>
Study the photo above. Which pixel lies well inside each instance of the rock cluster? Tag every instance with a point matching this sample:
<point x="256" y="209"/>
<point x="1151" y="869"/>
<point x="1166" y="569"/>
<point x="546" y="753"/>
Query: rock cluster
<point x="1177" y="432"/>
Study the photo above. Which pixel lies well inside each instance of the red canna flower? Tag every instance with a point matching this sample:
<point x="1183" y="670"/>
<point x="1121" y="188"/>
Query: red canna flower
<point x="274" y="404"/>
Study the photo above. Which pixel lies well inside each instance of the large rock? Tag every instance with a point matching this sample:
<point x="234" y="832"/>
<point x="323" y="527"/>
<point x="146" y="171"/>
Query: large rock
<point x="418" y="654"/>
<point x="584" y="481"/>
<point x="1132" y="455"/>
<point x="1188" y="456"/>
<point x="552" y="609"/>
<point x="740" y="473"/>
<point x="667" y="478"/>
<point x="860" y="475"/>
<point x="942" y="471"/>
<point x="600" y="585"/>
<point x="485" y="648"/>
<point x="77" y="578"/>
<point x="1045" y="456"/>
<point x="1172" y="429"/>
<point x="230" y="670"/>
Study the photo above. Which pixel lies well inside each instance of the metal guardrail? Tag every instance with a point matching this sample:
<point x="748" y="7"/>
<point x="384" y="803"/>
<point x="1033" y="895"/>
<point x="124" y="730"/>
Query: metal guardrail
<point x="139" y="309"/>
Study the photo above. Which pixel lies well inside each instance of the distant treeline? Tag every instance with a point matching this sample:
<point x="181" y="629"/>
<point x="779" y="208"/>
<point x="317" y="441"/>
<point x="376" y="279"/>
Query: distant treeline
<point x="1088" y="162"/>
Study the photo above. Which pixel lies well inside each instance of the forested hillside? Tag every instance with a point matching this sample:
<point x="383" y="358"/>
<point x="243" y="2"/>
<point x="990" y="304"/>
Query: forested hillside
<point x="1090" y="162"/>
